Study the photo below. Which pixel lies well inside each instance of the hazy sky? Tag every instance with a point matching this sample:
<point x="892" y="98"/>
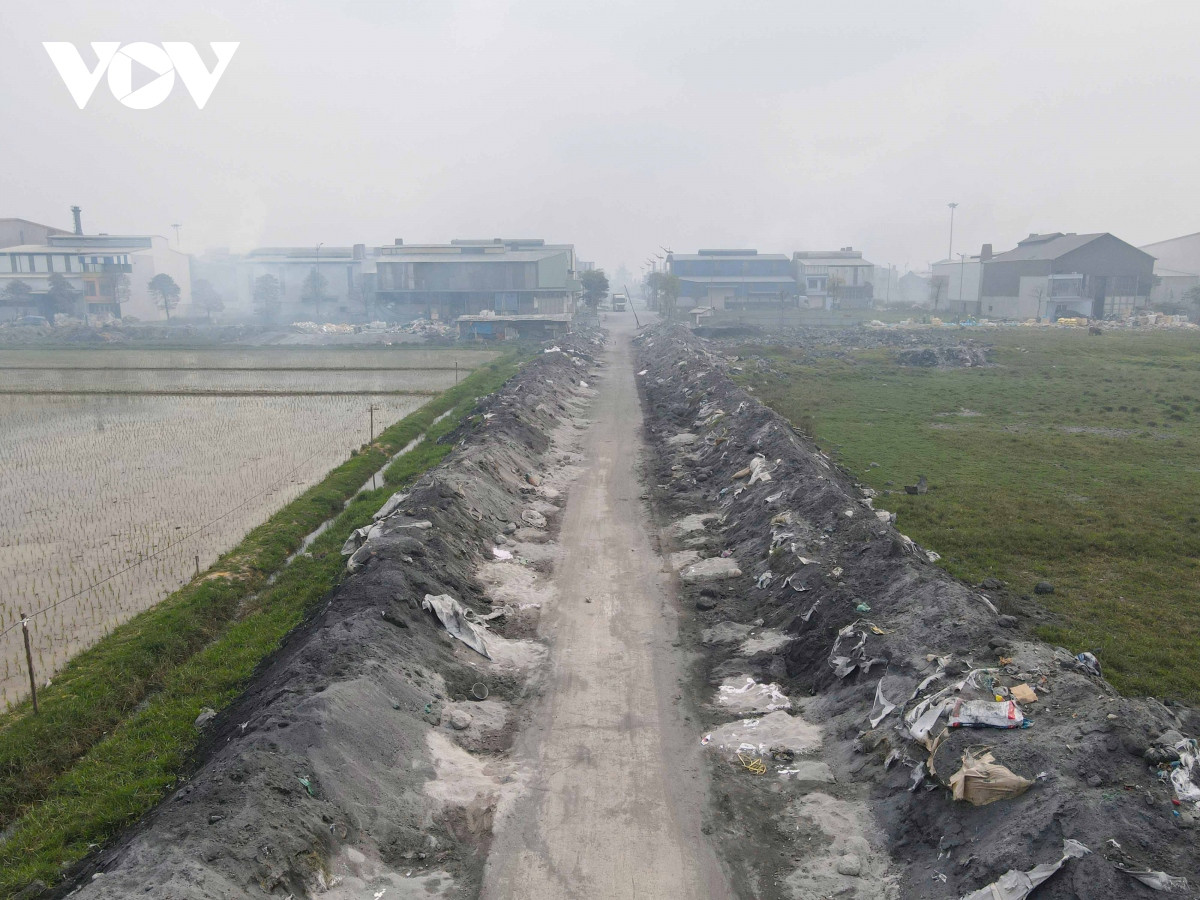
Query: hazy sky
<point x="621" y="126"/>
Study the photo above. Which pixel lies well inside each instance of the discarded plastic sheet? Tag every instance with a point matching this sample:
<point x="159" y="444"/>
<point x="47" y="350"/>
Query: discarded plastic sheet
<point x="981" y="780"/>
<point x="1014" y="885"/>
<point x="881" y="707"/>
<point x="392" y="504"/>
<point x="798" y="588"/>
<point x="758" y="470"/>
<point x="501" y="553"/>
<point x="1089" y="663"/>
<point x="753" y="696"/>
<point x="855" y="658"/>
<point x="454" y="618"/>
<point x="812" y="609"/>
<point x="986" y="714"/>
<point x="764" y="579"/>
<point x="1181" y="777"/>
<point x="1159" y="881"/>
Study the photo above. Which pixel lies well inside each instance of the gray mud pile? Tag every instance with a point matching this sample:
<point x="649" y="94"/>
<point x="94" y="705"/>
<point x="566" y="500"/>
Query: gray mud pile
<point x="843" y="671"/>
<point x="957" y="356"/>
<point x="367" y="758"/>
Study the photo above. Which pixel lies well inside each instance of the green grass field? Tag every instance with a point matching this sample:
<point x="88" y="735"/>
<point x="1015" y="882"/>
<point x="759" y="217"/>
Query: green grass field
<point x="1075" y="459"/>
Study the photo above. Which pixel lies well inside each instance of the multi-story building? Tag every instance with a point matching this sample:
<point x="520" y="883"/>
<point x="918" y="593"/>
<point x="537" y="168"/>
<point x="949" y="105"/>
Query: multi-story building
<point x="468" y="277"/>
<point x="109" y="274"/>
<point x="835" y="279"/>
<point x="343" y="282"/>
<point x="733" y="279"/>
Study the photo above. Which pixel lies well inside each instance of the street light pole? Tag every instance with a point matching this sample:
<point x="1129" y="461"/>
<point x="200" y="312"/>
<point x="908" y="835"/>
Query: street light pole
<point x="962" y="269"/>
<point x="950" y="252"/>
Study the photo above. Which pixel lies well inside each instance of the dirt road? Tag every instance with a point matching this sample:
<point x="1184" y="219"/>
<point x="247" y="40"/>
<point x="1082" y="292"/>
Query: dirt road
<point x="617" y="794"/>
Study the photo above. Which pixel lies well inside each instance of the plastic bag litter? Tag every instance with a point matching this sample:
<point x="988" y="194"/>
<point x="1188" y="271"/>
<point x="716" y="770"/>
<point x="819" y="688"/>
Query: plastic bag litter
<point x="1159" y="881"/>
<point x="501" y="553"/>
<point x="856" y="658"/>
<point x="981" y="780"/>
<point x="1181" y="777"/>
<point x="1014" y="885"/>
<point x="1089" y="663"/>
<point x="881" y="707"/>
<point x="453" y="616"/>
<point x="392" y="504"/>
<point x="986" y="714"/>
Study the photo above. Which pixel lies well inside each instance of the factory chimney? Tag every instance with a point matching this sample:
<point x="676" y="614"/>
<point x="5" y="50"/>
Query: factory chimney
<point x="75" y="211"/>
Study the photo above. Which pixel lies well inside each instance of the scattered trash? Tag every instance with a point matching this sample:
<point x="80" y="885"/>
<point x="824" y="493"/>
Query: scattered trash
<point x="863" y="608"/>
<point x="392" y="504"/>
<point x="711" y="569"/>
<point x="856" y="658"/>
<point x="752" y="696"/>
<point x="1023" y="693"/>
<point x="752" y="764"/>
<point x="453" y="616"/>
<point x="1159" y="881"/>
<point x="986" y="714"/>
<point x="479" y="690"/>
<point x="207" y="714"/>
<point x="881" y="707"/>
<point x="501" y="553"/>
<point x="1015" y="885"/>
<point x="981" y="780"/>
<point x="304" y="780"/>
<point x="1089" y="662"/>
<point x="764" y="579"/>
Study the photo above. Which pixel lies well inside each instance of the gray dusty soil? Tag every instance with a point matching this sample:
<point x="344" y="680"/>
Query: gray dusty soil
<point x="617" y="785"/>
<point x="819" y="595"/>
<point x="706" y="655"/>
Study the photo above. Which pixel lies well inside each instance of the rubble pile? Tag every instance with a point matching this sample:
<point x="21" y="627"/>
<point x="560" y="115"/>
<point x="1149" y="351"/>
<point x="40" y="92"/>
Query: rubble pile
<point x="365" y="757"/>
<point x="956" y="356"/>
<point x="978" y="749"/>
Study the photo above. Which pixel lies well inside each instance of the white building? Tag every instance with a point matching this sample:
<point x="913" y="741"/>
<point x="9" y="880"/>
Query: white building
<point x="955" y="283"/>
<point x="110" y="273"/>
<point x="835" y="278"/>
<point x="1176" y="267"/>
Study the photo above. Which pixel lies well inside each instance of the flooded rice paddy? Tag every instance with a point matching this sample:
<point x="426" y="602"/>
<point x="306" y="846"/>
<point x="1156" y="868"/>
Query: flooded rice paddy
<point x="119" y="468"/>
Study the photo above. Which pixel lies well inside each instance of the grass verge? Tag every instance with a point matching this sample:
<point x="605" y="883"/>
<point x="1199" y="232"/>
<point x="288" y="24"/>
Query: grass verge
<point x="116" y="727"/>
<point x="1075" y="460"/>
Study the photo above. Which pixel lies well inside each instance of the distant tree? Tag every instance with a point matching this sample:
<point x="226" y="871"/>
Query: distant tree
<point x="118" y="287"/>
<point x="650" y="289"/>
<point x="668" y="294"/>
<point x="16" y="293"/>
<point x="313" y="291"/>
<point x="595" y="287"/>
<point x="936" y="287"/>
<point x="165" y="291"/>
<point x="60" y="296"/>
<point x="833" y="288"/>
<point x="267" y="293"/>
<point x="205" y="296"/>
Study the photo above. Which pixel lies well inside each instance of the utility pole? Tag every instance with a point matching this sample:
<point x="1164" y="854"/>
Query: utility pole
<point x="29" y="662"/>
<point x="371" y="409"/>
<point x="950" y="252"/>
<point x="176" y="226"/>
